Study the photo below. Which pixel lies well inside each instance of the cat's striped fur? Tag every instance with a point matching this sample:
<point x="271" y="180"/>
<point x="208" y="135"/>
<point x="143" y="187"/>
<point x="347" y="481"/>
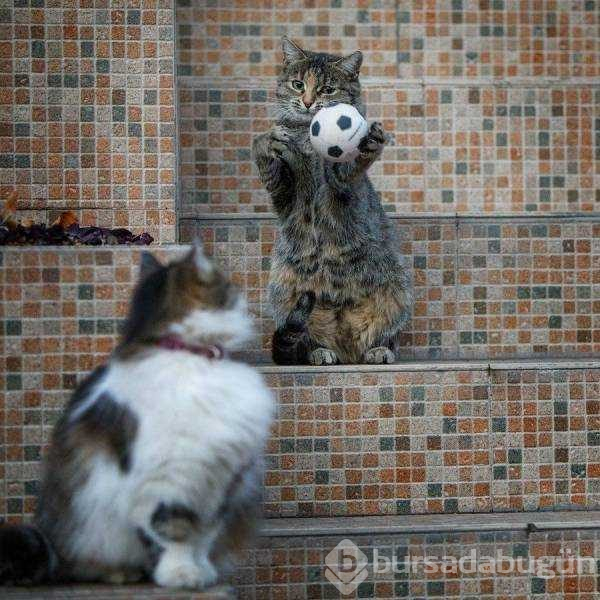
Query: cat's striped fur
<point x="335" y="239"/>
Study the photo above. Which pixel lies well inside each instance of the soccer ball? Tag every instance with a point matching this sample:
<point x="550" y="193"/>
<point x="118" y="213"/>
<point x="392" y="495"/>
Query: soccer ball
<point x="336" y="132"/>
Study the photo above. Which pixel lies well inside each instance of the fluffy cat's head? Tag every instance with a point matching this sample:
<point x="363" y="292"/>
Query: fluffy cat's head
<point x="191" y="298"/>
<point x="310" y="81"/>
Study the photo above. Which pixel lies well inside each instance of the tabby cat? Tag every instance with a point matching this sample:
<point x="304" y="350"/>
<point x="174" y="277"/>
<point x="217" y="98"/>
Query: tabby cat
<point x="155" y="467"/>
<point x="335" y="239"/>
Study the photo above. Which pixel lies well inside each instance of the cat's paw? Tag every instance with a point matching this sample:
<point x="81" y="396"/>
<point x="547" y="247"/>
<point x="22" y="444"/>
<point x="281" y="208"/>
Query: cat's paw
<point x="323" y="356"/>
<point x="374" y="141"/>
<point x="261" y="146"/>
<point x="379" y="356"/>
<point x="178" y="570"/>
<point x="281" y="144"/>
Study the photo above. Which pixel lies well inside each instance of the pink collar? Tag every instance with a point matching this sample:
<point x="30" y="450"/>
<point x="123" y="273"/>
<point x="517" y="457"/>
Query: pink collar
<point x="172" y="342"/>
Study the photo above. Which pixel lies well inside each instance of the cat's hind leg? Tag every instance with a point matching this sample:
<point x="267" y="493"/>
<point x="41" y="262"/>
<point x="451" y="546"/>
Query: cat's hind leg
<point x="291" y="341"/>
<point x="186" y="544"/>
<point x="175" y="527"/>
<point x="181" y="542"/>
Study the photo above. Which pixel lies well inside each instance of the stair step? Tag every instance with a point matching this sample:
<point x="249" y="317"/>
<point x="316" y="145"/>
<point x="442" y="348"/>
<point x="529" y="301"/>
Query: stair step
<point x="295" y="567"/>
<point x="447" y="436"/>
<point x="487" y="287"/>
<point x="503" y="556"/>
<point x="465" y="146"/>
<point x="110" y="592"/>
<point x="462" y="437"/>
<point x="432" y="524"/>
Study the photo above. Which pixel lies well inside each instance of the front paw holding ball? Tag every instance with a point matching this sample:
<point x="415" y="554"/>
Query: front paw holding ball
<point x="371" y="146"/>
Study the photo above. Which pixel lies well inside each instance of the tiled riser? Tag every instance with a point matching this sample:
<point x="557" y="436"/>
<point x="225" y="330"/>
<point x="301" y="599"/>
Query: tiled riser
<point x="458" y="149"/>
<point x="87" y="119"/>
<point x="344" y="443"/>
<point x="405" y="38"/>
<point x="293" y="569"/>
<point x="419" y="442"/>
<point x="483" y="288"/>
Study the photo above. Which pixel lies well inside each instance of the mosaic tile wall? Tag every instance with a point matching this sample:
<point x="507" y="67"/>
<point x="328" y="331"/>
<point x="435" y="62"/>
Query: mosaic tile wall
<point x="379" y="443"/>
<point x="242" y="38"/>
<point x="466" y="150"/>
<point x="483" y="288"/>
<point x="354" y="443"/>
<point x="404" y="38"/>
<point x="545" y="440"/>
<point x="288" y="569"/>
<point x="87" y="111"/>
<point x="495" y="103"/>
<point x="422" y="442"/>
<point x="294" y="569"/>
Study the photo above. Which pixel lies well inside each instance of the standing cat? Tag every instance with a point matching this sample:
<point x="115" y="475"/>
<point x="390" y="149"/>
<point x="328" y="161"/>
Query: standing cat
<point x="335" y="239"/>
<point x="154" y="467"/>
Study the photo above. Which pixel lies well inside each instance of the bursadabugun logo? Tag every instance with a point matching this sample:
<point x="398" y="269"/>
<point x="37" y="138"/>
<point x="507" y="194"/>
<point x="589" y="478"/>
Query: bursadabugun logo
<point x="346" y="567"/>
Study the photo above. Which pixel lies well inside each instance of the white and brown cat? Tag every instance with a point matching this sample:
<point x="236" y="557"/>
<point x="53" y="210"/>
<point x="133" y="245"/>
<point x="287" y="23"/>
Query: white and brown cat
<point x="155" y="467"/>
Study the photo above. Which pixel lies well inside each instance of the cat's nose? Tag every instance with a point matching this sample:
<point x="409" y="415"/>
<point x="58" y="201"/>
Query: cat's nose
<point x="307" y="101"/>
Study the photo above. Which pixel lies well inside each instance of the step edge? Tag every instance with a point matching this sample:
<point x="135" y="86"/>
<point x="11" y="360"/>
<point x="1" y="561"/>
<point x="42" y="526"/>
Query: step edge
<point x="425" y="216"/>
<point x="512" y="364"/>
<point x="188" y="82"/>
<point x="423" y="524"/>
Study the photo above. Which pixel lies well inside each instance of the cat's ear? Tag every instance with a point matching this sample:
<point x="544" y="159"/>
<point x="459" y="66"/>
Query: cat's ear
<point x="203" y="264"/>
<point x="292" y="53"/>
<point x="350" y="65"/>
<point x="148" y="264"/>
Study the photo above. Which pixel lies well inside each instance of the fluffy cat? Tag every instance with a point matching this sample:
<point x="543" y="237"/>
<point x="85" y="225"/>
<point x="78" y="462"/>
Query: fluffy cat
<point x="335" y="239"/>
<point x="155" y="466"/>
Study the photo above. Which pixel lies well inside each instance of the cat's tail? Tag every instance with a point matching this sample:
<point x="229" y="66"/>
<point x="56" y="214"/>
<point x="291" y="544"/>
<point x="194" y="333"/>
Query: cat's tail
<point x="291" y="342"/>
<point x="26" y="556"/>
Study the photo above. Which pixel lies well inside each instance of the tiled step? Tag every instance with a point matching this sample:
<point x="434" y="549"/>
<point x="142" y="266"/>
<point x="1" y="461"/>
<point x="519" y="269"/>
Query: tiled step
<point x="113" y="592"/>
<point x="429" y="437"/>
<point x="523" y="557"/>
<point x="485" y="287"/>
<point x="466" y="147"/>
<point x="434" y="438"/>
<point x="404" y="39"/>
<point x="413" y="438"/>
<point x="294" y="564"/>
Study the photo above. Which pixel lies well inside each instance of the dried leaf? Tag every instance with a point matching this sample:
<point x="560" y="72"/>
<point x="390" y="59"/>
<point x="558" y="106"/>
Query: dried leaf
<point x="65" y="220"/>
<point x="9" y="207"/>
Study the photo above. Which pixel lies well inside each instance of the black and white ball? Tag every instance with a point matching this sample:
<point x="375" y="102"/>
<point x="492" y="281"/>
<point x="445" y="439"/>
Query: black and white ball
<point x="336" y="131"/>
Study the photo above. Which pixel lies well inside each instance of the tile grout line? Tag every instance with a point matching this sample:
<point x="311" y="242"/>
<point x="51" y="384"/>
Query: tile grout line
<point x="533" y="217"/>
<point x="490" y="437"/>
<point x="529" y="521"/>
<point x="235" y="81"/>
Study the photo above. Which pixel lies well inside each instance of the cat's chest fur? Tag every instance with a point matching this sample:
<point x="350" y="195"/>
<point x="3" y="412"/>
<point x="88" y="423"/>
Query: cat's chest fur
<point x="180" y="393"/>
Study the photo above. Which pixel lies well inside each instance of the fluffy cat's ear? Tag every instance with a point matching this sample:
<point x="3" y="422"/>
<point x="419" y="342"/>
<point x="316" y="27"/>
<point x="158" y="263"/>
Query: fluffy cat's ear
<point x="148" y="264"/>
<point x="350" y="65"/>
<point x="203" y="265"/>
<point x="291" y="52"/>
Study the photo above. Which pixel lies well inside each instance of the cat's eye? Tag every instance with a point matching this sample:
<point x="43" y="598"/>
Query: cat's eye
<point x="298" y="85"/>
<point x="327" y="90"/>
